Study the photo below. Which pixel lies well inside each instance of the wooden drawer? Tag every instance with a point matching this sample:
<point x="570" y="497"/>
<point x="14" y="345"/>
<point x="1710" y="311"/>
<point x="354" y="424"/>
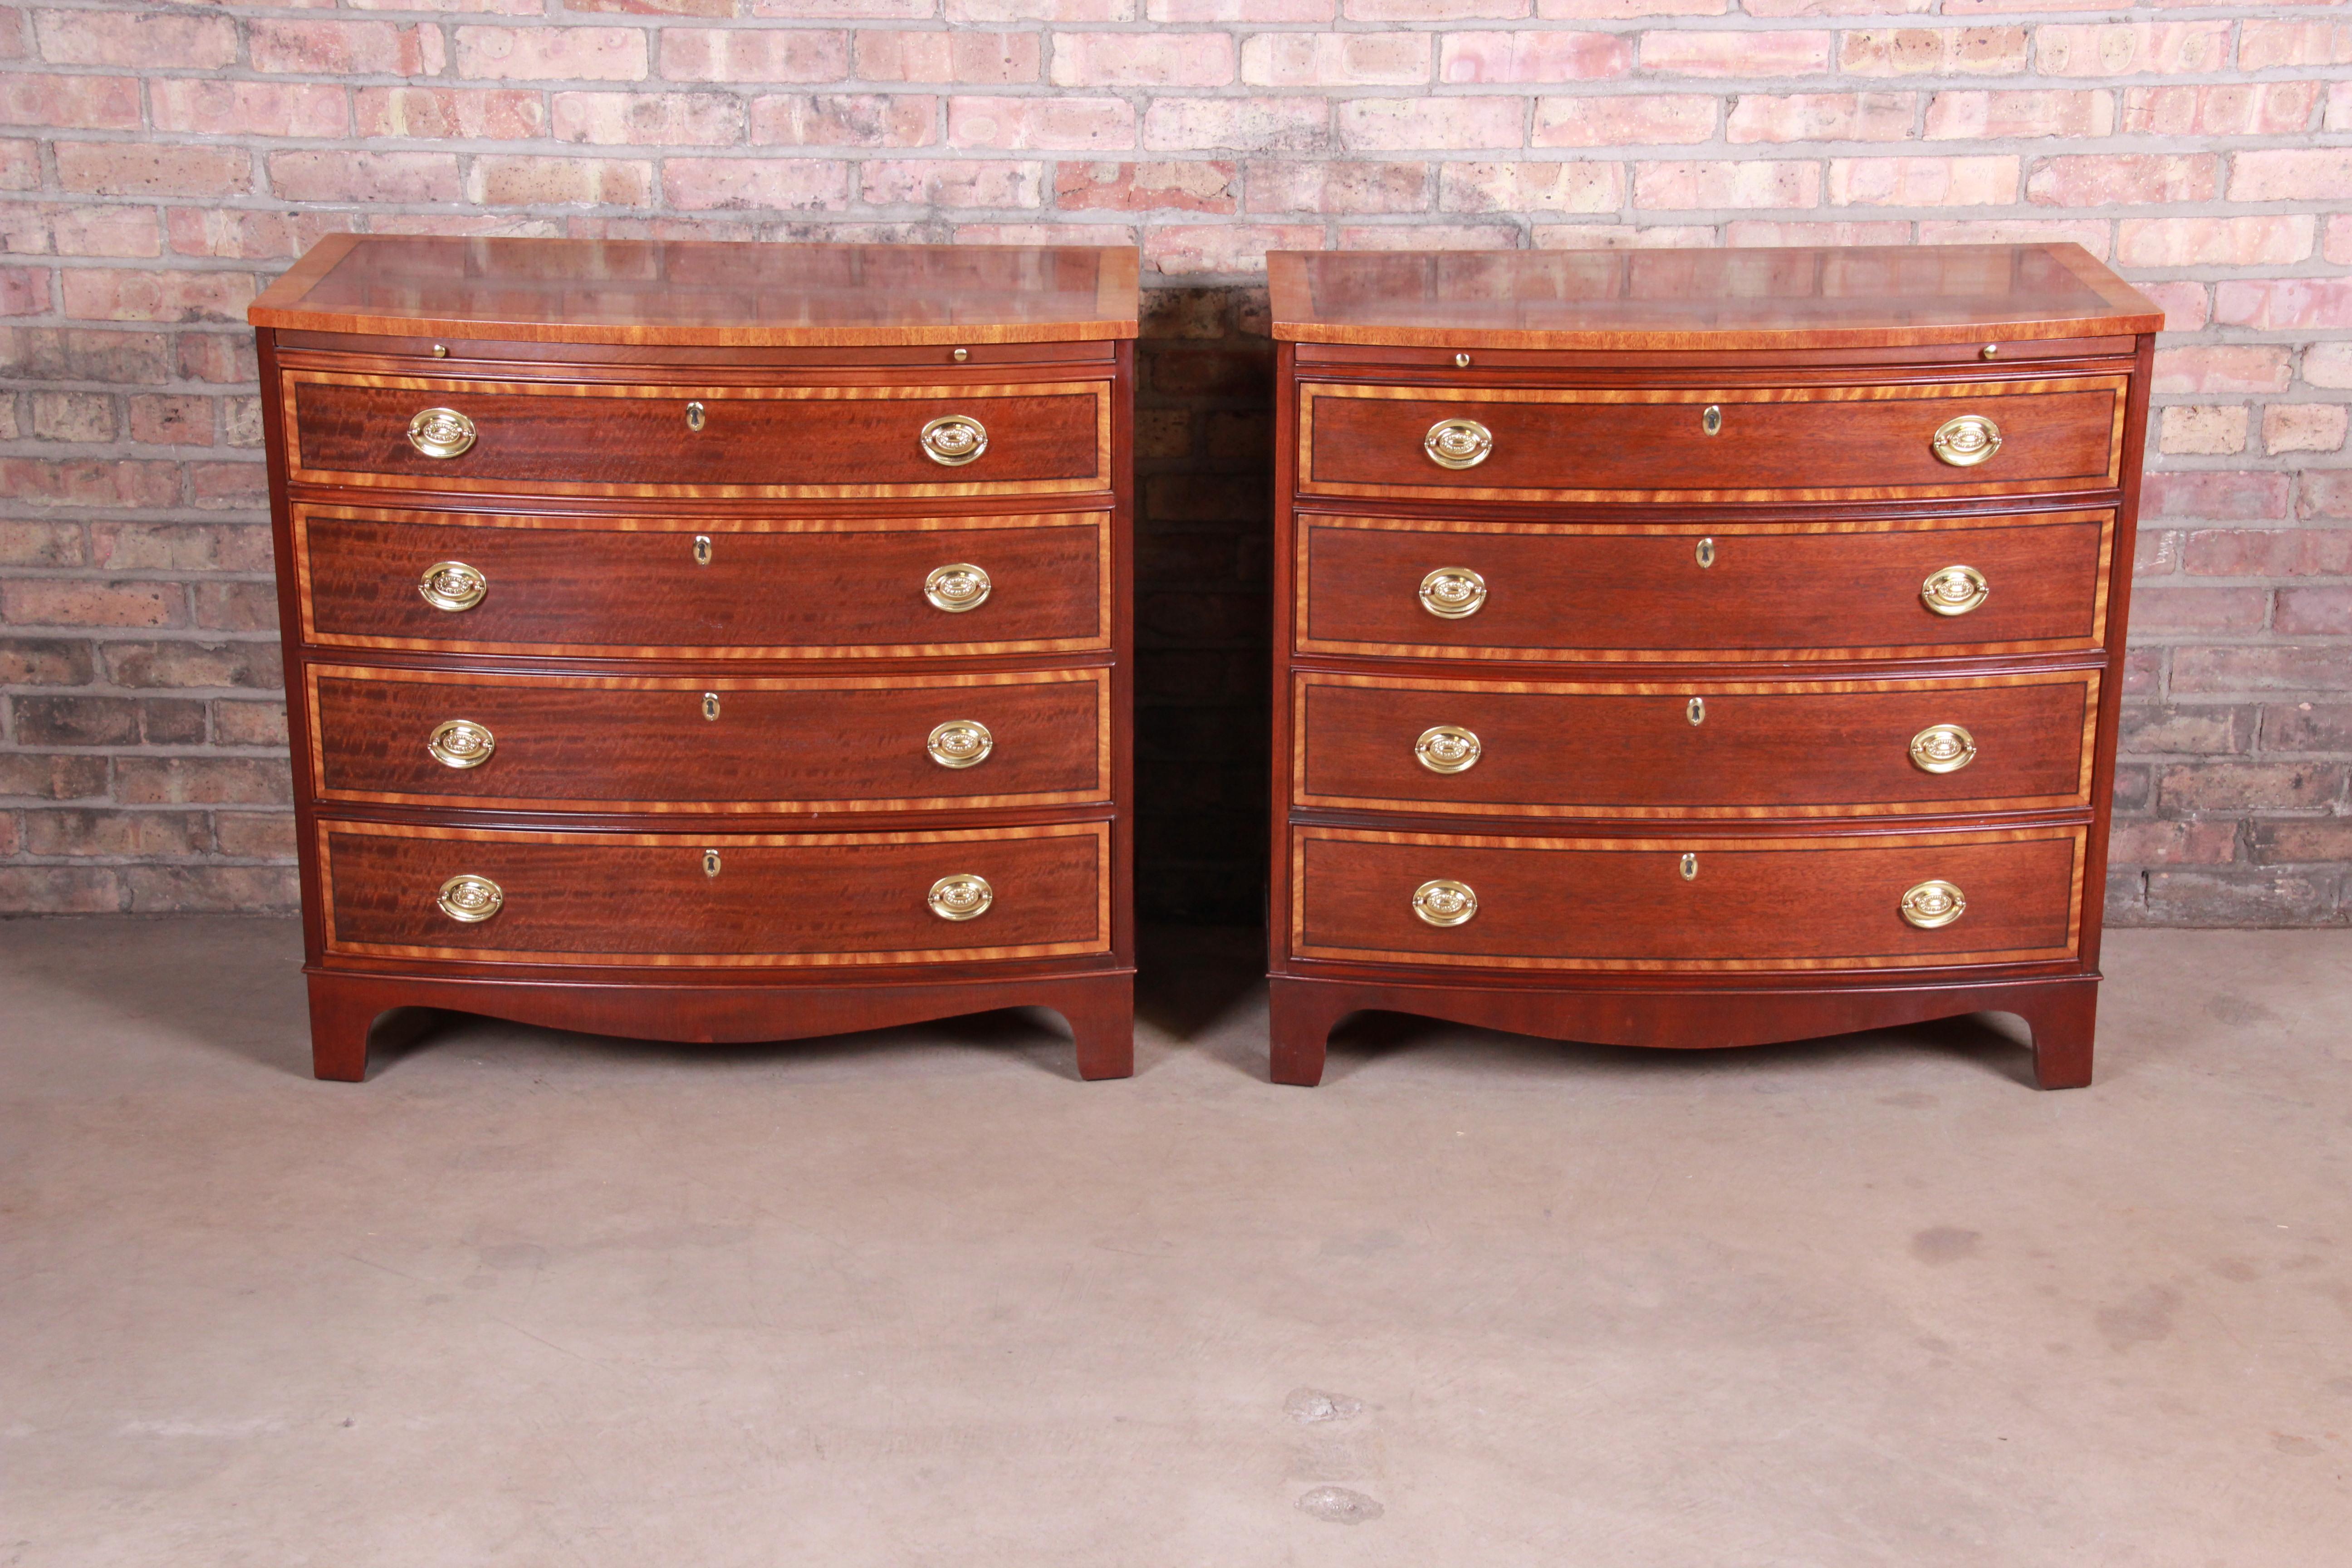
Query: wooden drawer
<point x="543" y="743"/>
<point x="1820" y="589"/>
<point x="712" y="900"/>
<point x="772" y="588"/>
<point x="1857" y="442"/>
<point x="599" y="438"/>
<point x="1694" y="748"/>
<point x="1747" y="903"/>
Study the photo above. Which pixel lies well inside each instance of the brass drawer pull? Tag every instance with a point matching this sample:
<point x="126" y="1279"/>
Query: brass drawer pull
<point x="954" y="440"/>
<point x="452" y="586"/>
<point x="1954" y="591"/>
<point x="1933" y="904"/>
<point x="1458" y="443"/>
<point x="441" y="433"/>
<point x="461" y="743"/>
<point x="957" y="587"/>
<point x="961" y="744"/>
<point x="1943" y="749"/>
<point x="1451" y="593"/>
<point x="1448" y="749"/>
<point x="470" y="900"/>
<point x="1966" y="441"/>
<point x="1444" y="903"/>
<point x="962" y="897"/>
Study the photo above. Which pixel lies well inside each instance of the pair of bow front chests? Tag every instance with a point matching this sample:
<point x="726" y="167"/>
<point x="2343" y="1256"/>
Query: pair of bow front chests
<point x="733" y="642"/>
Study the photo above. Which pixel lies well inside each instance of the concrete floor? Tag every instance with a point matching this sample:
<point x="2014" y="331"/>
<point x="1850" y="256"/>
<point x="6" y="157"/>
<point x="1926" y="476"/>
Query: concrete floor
<point x="921" y="1298"/>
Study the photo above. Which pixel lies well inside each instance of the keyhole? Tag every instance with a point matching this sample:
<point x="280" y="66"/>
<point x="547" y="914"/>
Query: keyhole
<point x="1690" y="867"/>
<point x="710" y="705"/>
<point x="702" y="550"/>
<point x="694" y="415"/>
<point x="1707" y="553"/>
<point x="710" y="862"/>
<point x="1697" y="710"/>
<point x="1712" y="420"/>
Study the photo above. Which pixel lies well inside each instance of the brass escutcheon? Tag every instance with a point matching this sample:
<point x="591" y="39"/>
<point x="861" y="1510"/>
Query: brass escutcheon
<point x="961" y="744"/>
<point x="710" y="705"/>
<point x="1954" y="591"/>
<point x="1448" y="749"/>
<point x="461" y="743"/>
<point x="1444" y="903"/>
<point x="1712" y="420"/>
<point x="452" y="586"/>
<point x="440" y="432"/>
<point x="702" y="550"/>
<point x="1690" y="867"/>
<point x="953" y="440"/>
<point x="694" y="415"/>
<point x="964" y="897"/>
<point x="1933" y="904"/>
<point x="710" y="862"/>
<point x="1966" y="441"/>
<point x="1451" y="593"/>
<point x="470" y="900"/>
<point x="956" y="587"/>
<point x="1458" y="443"/>
<point x="1696" y="710"/>
<point x="1705" y="553"/>
<point x="1943" y="749"/>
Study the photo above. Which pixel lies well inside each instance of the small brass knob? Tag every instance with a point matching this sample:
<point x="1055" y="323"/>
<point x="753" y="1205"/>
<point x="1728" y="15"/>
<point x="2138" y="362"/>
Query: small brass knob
<point x="1451" y="593"/>
<point x="1933" y="904"/>
<point x="461" y="743"/>
<point x="1444" y="903"/>
<point x="1966" y="441"/>
<point x="957" y="587"/>
<point x="1462" y="361"/>
<point x="954" y="440"/>
<point x="961" y="744"/>
<point x="440" y="432"/>
<point x="452" y="586"/>
<point x="1448" y="749"/>
<point x="470" y="900"/>
<point x="1458" y="443"/>
<point x="1954" y="591"/>
<point x="962" y="897"/>
<point x="1943" y="749"/>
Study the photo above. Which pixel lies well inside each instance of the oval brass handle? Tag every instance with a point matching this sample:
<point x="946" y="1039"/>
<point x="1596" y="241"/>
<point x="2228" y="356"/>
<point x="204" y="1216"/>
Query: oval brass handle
<point x="1943" y="749"/>
<point x="461" y="743"/>
<point x="440" y="432"/>
<point x="1444" y="903"/>
<point x="1954" y="591"/>
<point x="1458" y="443"/>
<point x="1933" y="904"/>
<point x="1448" y="749"/>
<point x="1966" y="441"/>
<point x="954" y="440"/>
<point x="964" y="897"/>
<point x="956" y="587"/>
<point x="961" y="744"/>
<point x="452" y="586"/>
<point x="1451" y="593"/>
<point x="470" y="900"/>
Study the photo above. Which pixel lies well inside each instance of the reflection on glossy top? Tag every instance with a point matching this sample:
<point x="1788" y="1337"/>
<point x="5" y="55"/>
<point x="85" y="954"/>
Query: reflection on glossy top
<point x="704" y="293"/>
<point x="1813" y="297"/>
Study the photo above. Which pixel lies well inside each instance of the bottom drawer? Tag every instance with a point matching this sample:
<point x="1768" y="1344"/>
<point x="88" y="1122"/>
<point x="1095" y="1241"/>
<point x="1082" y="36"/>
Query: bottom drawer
<point x="1878" y="901"/>
<point x="715" y="900"/>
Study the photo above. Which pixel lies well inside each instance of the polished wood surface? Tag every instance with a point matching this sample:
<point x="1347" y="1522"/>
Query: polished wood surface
<point x="1829" y="587"/>
<point x="718" y="744"/>
<point x="703" y="293"/>
<point x="776" y="586"/>
<point x="1717" y="300"/>
<point x="1631" y="750"/>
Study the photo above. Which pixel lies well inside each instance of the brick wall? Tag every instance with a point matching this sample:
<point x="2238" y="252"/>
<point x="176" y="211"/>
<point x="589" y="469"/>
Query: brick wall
<point x="158" y="162"/>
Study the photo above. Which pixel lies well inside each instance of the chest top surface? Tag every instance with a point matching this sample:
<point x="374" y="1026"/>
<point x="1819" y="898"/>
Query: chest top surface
<point x="704" y="293"/>
<point x="1797" y="298"/>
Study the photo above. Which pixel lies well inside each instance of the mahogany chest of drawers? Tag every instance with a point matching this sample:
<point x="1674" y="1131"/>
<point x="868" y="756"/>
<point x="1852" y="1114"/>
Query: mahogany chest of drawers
<point x="1700" y="647"/>
<point x="707" y="642"/>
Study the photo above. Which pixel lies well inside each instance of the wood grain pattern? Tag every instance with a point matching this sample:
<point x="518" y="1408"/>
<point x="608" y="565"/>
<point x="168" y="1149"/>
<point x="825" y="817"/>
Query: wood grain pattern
<point x="1793" y="444"/>
<point x="1830" y="586"/>
<point x="645" y="745"/>
<point x="777" y="441"/>
<point x="776" y="587"/>
<point x="1824" y="902"/>
<point x="704" y="294"/>
<point x="1628" y="749"/>
<point x="810" y="899"/>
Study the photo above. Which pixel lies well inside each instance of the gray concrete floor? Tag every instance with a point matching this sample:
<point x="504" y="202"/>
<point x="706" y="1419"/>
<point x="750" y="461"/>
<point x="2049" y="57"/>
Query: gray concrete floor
<point x="921" y="1298"/>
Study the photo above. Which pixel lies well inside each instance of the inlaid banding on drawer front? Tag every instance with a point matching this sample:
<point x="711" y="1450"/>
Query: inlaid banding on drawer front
<point x="1755" y="903"/>
<point x="1702" y="589"/>
<point x="1645" y="750"/>
<point x="653" y="587"/>
<point x="712" y="901"/>
<point x="1744" y="444"/>
<point x="717" y="746"/>
<point x="692" y="441"/>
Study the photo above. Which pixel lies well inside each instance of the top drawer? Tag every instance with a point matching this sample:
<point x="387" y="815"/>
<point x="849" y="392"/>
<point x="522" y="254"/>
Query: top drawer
<point x="651" y="438"/>
<point x="1867" y="442"/>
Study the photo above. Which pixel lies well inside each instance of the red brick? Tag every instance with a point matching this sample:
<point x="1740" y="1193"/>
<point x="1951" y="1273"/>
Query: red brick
<point x="52" y="777"/>
<point x="40" y="545"/>
<point x="1241" y="10"/>
<point x="2091" y="234"/>
<point x="1330" y="187"/>
<point x="245" y="889"/>
<point x="1753" y="231"/>
<point x="200" y="781"/>
<point x="1666" y="120"/>
<point x="514" y="180"/>
<point x="847" y="120"/>
<point x="180" y="546"/>
<point x="2292" y="173"/>
<point x="2328" y="364"/>
<point x="219" y="356"/>
<point x="2303" y="427"/>
<point x="2214" y="241"/>
<point x="73" y="416"/>
<point x="114" y="294"/>
<point x="2124" y="180"/>
<point x="2315" y="612"/>
<point x="59" y="890"/>
<point x="238" y="723"/>
<point x="2284" y="303"/>
<point x="2336" y="239"/>
<point x="1823" y="116"/>
<point x="493" y="114"/>
<point x="135" y="38"/>
<point x="2131" y="48"/>
<point x="2264" y="44"/>
<point x="2307" y="727"/>
<point x="1433" y="10"/>
<point x="1753" y="183"/>
<point x="20" y="166"/>
<point x="1224" y="248"/>
<point x="78" y="482"/>
<point x="977" y="57"/>
<point x="81" y="353"/>
<point x="246" y="234"/>
<point x="1933" y="51"/>
<point x="75" y="602"/>
<point x="1241" y="125"/>
<point x="649" y="119"/>
<point x="952" y="183"/>
<point x="1142" y="59"/>
<point x="254" y="835"/>
<point x="365" y="176"/>
<point x="729" y="184"/>
<point x="2172" y="843"/>
<point x="183" y="664"/>
<point x="44" y="661"/>
<point x="2219" y="494"/>
<point x="655" y="7"/>
<point x="1590" y="236"/>
<point x="1336" y="60"/>
<point x="586" y="53"/>
<point x="993" y="10"/>
<point x="346" y="48"/>
<point x="2185" y="304"/>
<point x="217" y="108"/>
<point x="70" y="102"/>
<point x="1923" y="182"/>
<point x="145" y="833"/>
<point x="1045" y="124"/>
<point x="2236" y="109"/>
<point x="1040" y="233"/>
<point x="2200" y="609"/>
<point x="734" y="56"/>
<point x="2248" y="786"/>
<point x="2222" y="367"/>
<point x="2274" y="843"/>
<point x="225" y="486"/>
<point x="1572" y="187"/>
<point x="144" y="169"/>
<point x="1431" y="236"/>
<point x="2339" y="114"/>
<point x="1190" y="187"/>
<point x="1680" y="53"/>
<point x="2294" y="668"/>
<point x="171" y="421"/>
<point x="1399" y="124"/>
<point x="2210" y="730"/>
<point x="2269" y="553"/>
<point x="24" y="291"/>
<point x="1532" y="56"/>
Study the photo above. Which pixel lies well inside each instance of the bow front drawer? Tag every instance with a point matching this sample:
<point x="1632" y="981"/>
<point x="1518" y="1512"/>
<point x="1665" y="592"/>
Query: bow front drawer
<point x="1874" y="441"/>
<point x="593" y="438"/>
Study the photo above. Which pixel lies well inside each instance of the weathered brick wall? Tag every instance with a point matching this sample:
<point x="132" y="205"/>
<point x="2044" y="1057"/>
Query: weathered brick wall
<point x="158" y="162"/>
